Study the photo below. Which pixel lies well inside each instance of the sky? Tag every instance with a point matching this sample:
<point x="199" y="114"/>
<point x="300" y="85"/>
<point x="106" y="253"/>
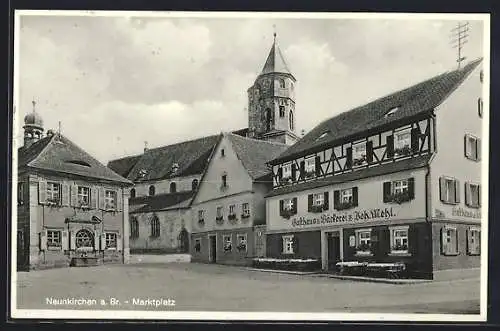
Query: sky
<point x="115" y="82"/>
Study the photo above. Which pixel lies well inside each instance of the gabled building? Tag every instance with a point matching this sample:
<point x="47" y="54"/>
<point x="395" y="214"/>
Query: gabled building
<point x="395" y="180"/>
<point x="72" y="210"/>
<point x="228" y="210"/>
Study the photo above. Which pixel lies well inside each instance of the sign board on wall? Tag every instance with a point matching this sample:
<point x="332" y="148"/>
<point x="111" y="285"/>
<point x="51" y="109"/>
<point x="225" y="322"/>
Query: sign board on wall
<point x="337" y="218"/>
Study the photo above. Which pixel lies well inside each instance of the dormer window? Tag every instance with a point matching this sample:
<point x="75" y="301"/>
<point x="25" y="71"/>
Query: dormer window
<point x="323" y="135"/>
<point x="392" y="111"/>
<point x="142" y="173"/>
<point x="222" y="152"/>
<point x="175" y="167"/>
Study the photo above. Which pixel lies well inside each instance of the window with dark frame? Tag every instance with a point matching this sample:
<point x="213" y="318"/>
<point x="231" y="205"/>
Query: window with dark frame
<point x="54" y="238"/>
<point x="111" y="240"/>
<point x="282" y="111"/>
<point x="155" y="227"/>
<point x="134" y="227"/>
<point x="449" y="190"/>
<point x="110" y="200"/>
<point x="472" y="148"/>
<point x="83" y="196"/>
<point x="54" y="193"/>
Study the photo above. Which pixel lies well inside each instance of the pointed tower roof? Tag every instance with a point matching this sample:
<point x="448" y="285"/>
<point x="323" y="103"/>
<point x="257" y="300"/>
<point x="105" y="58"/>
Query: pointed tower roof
<point x="275" y="62"/>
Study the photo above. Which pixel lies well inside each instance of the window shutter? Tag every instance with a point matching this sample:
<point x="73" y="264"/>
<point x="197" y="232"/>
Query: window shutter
<point x="348" y="161"/>
<point x="317" y="164"/>
<point x="326" y="203"/>
<point x="102" y="195"/>
<point x="65" y="197"/>
<point x="336" y="199"/>
<point x="96" y="240"/>
<point x="442" y="189"/>
<point x="478" y="243"/>
<point x="457" y="191"/>
<point x="282" y="248"/>
<point x="467" y="194"/>
<point x="387" y="192"/>
<point x="119" y="200"/>
<point x="118" y="242"/>
<point x="64" y="240"/>
<point x="42" y="192"/>
<point x="369" y="151"/>
<point x="93" y="197"/>
<point x="456" y="241"/>
<point x="294" y="206"/>
<point x="479" y="196"/>
<point x="415" y="133"/>
<point x="355" y="196"/>
<point x="302" y="169"/>
<point x="281" y="207"/>
<point x="443" y="241"/>
<point x="468" y="234"/>
<point x="411" y="187"/>
<point x="309" y="202"/>
<point x="466" y="147"/>
<point x="72" y="240"/>
<point x="294" y="171"/>
<point x="389" y="148"/>
<point x="74" y="195"/>
<point x="478" y="149"/>
<point x="280" y="173"/>
<point x="43" y="240"/>
<point x="295" y="244"/>
<point x="102" y="238"/>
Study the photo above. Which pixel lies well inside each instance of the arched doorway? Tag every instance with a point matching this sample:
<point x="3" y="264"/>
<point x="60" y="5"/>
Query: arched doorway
<point x="183" y="241"/>
<point x="84" y="239"/>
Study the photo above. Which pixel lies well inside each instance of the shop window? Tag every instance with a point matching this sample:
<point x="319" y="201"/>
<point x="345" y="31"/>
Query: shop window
<point x="359" y="154"/>
<point x="197" y="245"/>
<point x="155" y="227"/>
<point x="399" y="239"/>
<point x="472" y="195"/>
<point x="245" y="208"/>
<point x="110" y="200"/>
<point x="449" y="190"/>
<point x="474" y="241"/>
<point x="228" y="243"/>
<point x="152" y="190"/>
<point x="54" y="193"/>
<point x="399" y="191"/>
<point x="134" y="227"/>
<point x="83" y="196"/>
<point x="111" y="240"/>
<point x="363" y="242"/>
<point x="449" y="241"/>
<point x="402" y="142"/>
<point x="288" y="244"/>
<point x="54" y="239"/>
<point x="241" y="239"/>
<point x="472" y="147"/>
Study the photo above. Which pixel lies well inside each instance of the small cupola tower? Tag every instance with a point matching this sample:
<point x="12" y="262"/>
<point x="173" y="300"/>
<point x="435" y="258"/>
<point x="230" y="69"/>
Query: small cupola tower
<point x="33" y="127"/>
<point x="271" y="100"/>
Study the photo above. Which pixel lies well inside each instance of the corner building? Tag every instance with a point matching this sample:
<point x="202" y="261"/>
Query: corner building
<point x="395" y="180"/>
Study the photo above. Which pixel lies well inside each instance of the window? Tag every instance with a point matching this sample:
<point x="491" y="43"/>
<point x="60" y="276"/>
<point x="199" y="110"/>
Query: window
<point x="402" y="142"/>
<point x="323" y="135"/>
<point x="110" y="200"/>
<point x="399" y="191"/>
<point x="54" y="238"/>
<point x="282" y="83"/>
<point x="245" y="208"/>
<point x="400" y="186"/>
<point x="222" y="152"/>
<point x="111" y="240"/>
<point x="241" y="240"/>
<point x="282" y="111"/>
<point x="346" y="195"/>
<point x="224" y="181"/>
<point x="288" y="244"/>
<point x="290" y="119"/>
<point x="220" y="212"/>
<point x="449" y="190"/>
<point x="392" y="111"/>
<point x="132" y="193"/>
<point x="201" y="215"/>
<point x="474" y="241"/>
<point x="20" y="193"/>
<point x="449" y="241"/>
<point x="288" y="204"/>
<point x="318" y="199"/>
<point x="472" y="195"/>
<point x="152" y="190"/>
<point x="197" y="245"/>
<point x="84" y="239"/>
<point x="194" y="184"/>
<point x="472" y="147"/>
<point x="134" y="227"/>
<point x="287" y="170"/>
<point x="83" y="195"/>
<point x="359" y="153"/>
<point x="54" y="193"/>
<point x="363" y="241"/>
<point x="399" y="240"/>
<point x="228" y="243"/>
<point x="155" y="227"/>
<point x="232" y="209"/>
<point x="173" y="187"/>
<point x="310" y="165"/>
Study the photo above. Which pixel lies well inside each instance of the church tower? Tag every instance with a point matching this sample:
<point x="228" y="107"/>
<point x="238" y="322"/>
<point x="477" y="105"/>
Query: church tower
<point x="33" y="127"/>
<point x="271" y="101"/>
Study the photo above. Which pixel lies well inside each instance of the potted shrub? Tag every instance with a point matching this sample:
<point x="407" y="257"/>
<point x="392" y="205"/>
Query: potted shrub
<point x="232" y="218"/>
<point x="219" y="220"/>
<point x="405" y="150"/>
<point x="317" y="208"/>
<point x="401" y="197"/>
<point x="287" y="213"/>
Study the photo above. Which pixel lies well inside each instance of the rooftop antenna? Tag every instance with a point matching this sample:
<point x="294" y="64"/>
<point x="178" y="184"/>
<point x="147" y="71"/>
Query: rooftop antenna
<point x="460" y="35"/>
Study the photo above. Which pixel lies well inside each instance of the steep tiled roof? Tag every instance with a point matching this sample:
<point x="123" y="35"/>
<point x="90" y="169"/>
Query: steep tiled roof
<point x="191" y="157"/>
<point x="57" y="153"/>
<point x="411" y="101"/>
<point x="254" y="154"/>
<point x="162" y="202"/>
<point x="275" y="62"/>
<point x="413" y="163"/>
<point x="124" y="165"/>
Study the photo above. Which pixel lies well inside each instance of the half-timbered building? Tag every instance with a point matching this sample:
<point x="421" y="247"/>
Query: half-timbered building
<point x="395" y="180"/>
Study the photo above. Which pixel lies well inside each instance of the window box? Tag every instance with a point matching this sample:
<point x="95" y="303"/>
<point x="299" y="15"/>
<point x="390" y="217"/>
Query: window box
<point x="309" y="174"/>
<point x="317" y="208"/>
<point x="286" y="180"/>
<point x="232" y="217"/>
<point x="241" y="247"/>
<point x="53" y="202"/>
<point x="400" y="197"/>
<point x="402" y="151"/>
<point x="219" y="220"/>
<point x="304" y="265"/>
<point x="244" y="216"/>
<point x="201" y="222"/>
<point x="345" y="205"/>
<point x="363" y="249"/>
<point x="359" y="161"/>
<point x="83" y="204"/>
<point x="287" y="213"/>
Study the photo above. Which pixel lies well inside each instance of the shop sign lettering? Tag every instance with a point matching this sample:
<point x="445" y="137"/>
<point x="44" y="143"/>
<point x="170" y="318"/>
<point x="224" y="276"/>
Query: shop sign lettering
<point x="458" y="211"/>
<point x="334" y="218"/>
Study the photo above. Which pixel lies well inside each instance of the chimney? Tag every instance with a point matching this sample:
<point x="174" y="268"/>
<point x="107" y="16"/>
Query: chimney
<point x="146" y="146"/>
